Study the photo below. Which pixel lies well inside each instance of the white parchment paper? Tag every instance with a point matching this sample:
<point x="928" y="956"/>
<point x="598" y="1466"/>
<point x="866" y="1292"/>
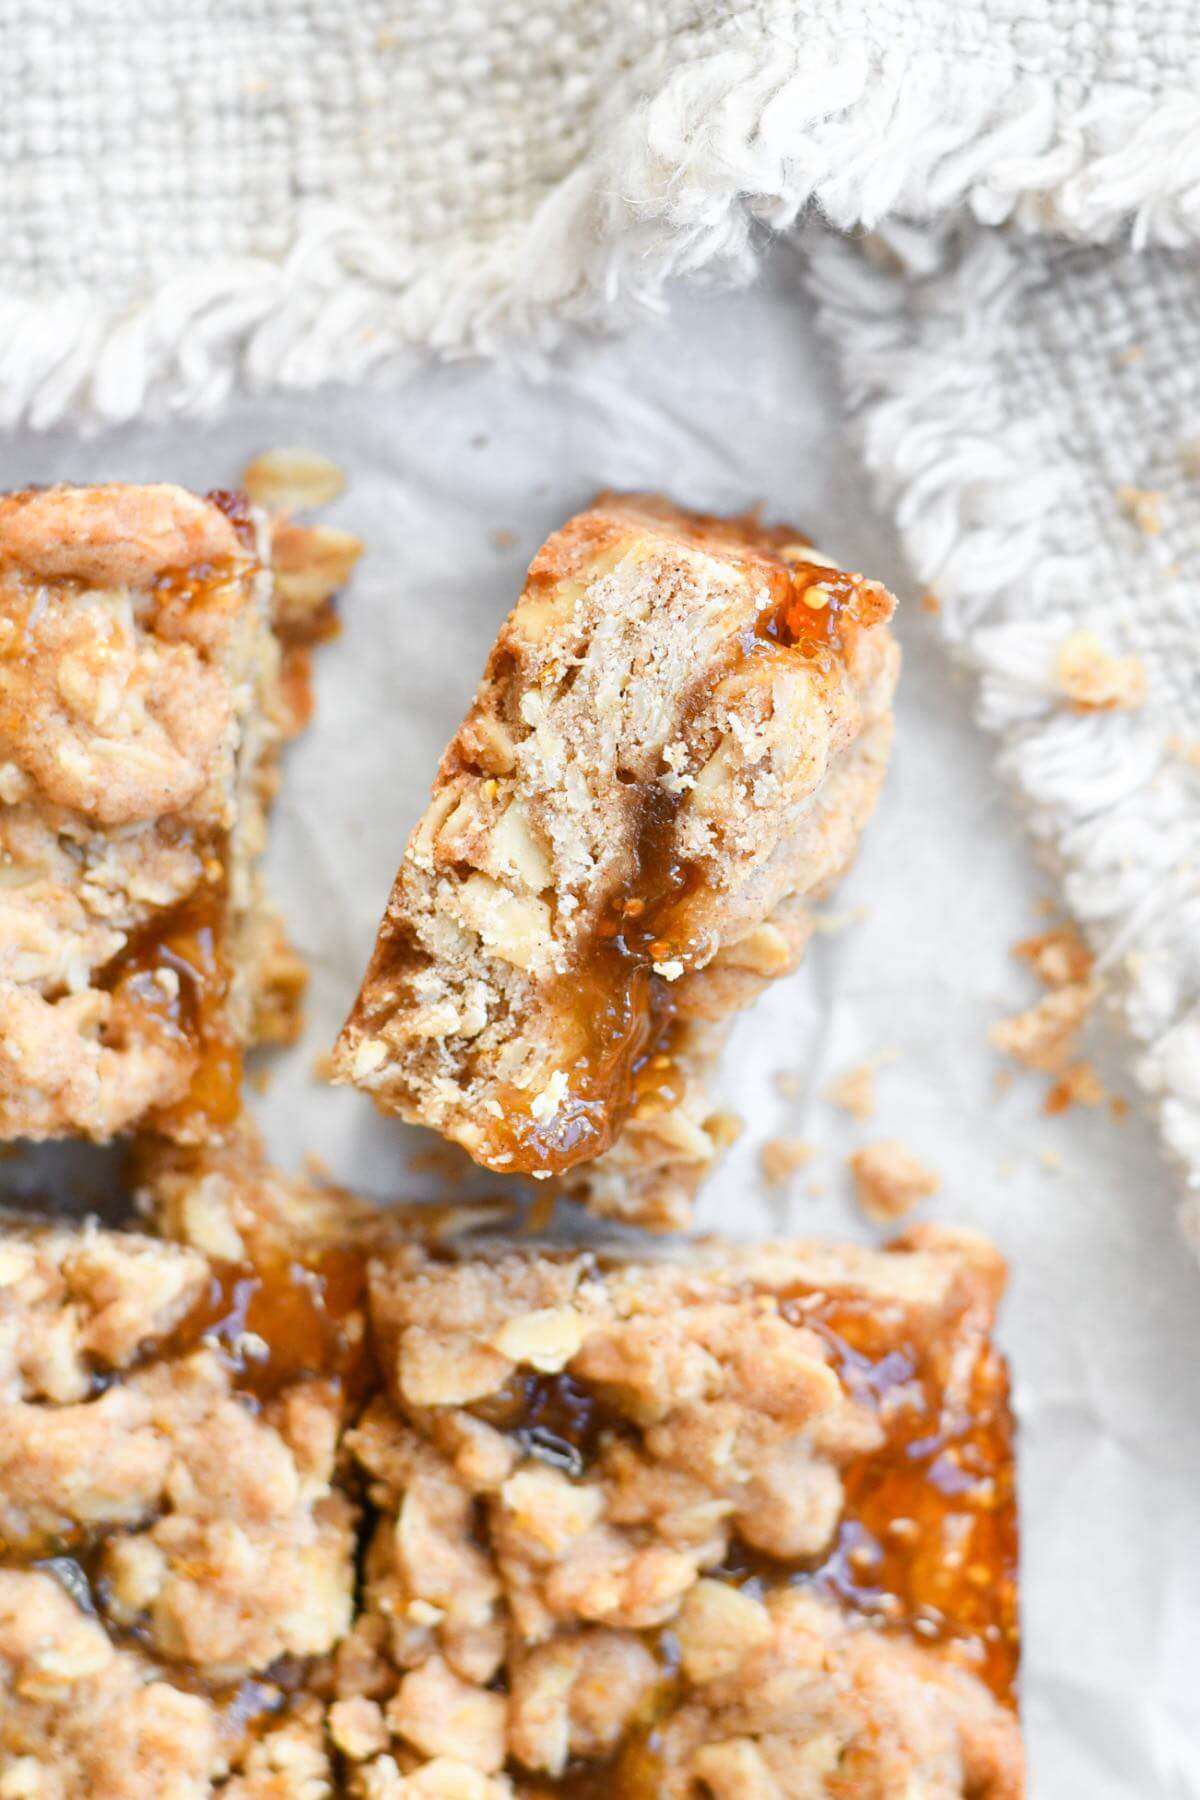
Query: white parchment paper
<point x="454" y="481"/>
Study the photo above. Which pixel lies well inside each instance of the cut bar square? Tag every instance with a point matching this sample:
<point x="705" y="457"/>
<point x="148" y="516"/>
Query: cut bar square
<point x="176" y="1555"/>
<point x="738" y="1523"/>
<point x="680" y="732"/>
<point x="141" y="701"/>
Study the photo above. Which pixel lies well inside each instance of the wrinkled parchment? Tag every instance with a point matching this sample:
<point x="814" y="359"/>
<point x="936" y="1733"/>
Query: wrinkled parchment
<point x="454" y="480"/>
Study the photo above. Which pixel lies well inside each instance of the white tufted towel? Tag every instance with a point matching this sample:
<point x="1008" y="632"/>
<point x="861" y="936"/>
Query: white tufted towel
<point x="275" y="193"/>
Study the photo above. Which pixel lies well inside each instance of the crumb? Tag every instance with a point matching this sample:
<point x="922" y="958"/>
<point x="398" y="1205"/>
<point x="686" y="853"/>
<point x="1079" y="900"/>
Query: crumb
<point x="889" y="1180"/>
<point x="1118" y="1108"/>
<point x="1094" y="680"/>
<point x="1003" y="1080"/>
<point x="259" y="1080"/>
<point x="828" y="924"/>
<point x="724" y="1128"/>
<point x="1078" y="1085"/>
<point x="1132" y="354"/>
<point x="1043" y="1037"/>
<point x="1144" y="506"/>
<point x="790" y="1083"/>
<point x="289" y="480"/>
<point x="780" y="1158"/>
<point x="322" y="1066"/>
<point x="930" y="603"/>
<point x="504" y="540"/>
<point x="1057" y="957"/>
<point x="854" y="1089"/>
<point x="1045" y="906"/>
<point x="316" y="1168"/>
<point x="815" y="1190"/>
<point x="1050" y="1159"/>
<point x="1184" y="750"/>
<point x="1189" y="457"/>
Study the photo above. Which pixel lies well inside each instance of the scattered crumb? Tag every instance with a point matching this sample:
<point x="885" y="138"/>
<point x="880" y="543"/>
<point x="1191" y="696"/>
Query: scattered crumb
<point x="815" y="1190"/>
<point x="259" y="1077"/>
<point x="930" y="603"/>
<point x="1185" y="750"/>
<point x="292" y="480"/>
<point x="724" y="1128"/>
<point x="1078" y="1085"/>
<point x="1057" y="957"/>
<point x="1133" y="353"/>
<point x="1094" y="680"/>
<point x="1144" y="506"/>
<point x="854" y="1091"/>
<point x="1050" y="1159"/>
<point x="1118" y="1108"/>
<point x="1189" y="457"/>
<point x="1003" y="1079"/>
<point x="1045" y="906"/>
<point x="780" y="1158"/>
<point x="829" y="923"/>
<point x="316" y="1168"/>
<point x="322" y="1066"/>
<point x="504" y="540"/>
<point x="790" y="1083"/>
<point x="1043" y="1037"/>
<point x="889" y="1180"/>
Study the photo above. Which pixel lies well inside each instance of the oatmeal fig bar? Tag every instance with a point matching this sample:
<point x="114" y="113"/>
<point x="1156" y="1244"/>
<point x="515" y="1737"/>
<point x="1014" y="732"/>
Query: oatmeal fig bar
<point x="144" y="691"/>
<point x="680" y="732"/>
<point x="740" y="1523"/>
<point x="176" y="1556"/>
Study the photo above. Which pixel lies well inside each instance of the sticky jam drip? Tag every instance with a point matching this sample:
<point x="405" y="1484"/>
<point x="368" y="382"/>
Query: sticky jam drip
<point x="927" y="1542"/>
<point x="623" y="1013"/>
<point x="171" y="987"/>
<point x="283" y="1320"/>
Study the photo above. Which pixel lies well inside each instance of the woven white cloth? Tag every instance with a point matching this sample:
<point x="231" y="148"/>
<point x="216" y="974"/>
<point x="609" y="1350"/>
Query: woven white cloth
<point x="276" y="193"/>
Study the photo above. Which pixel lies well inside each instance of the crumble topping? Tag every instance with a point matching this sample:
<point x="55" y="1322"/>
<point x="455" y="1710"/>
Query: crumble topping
<point x="643" y="1528"/>
<point x="175" y="1556"/>
<point x="680" y="732"/>
<point x="133" y="643"/>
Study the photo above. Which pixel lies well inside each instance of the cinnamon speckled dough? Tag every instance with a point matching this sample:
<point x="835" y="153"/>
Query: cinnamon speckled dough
<point x="527" y="1560"/>
<point x="679" y="735"/>
<point x="153" y="655"/>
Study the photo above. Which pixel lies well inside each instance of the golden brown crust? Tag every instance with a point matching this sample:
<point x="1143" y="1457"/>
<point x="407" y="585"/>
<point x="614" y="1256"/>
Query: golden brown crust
<point x="681" y="728"/>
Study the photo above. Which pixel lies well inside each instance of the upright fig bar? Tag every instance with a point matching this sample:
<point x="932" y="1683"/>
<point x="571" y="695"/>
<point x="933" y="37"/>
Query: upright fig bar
<point x="680" y="732"/>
